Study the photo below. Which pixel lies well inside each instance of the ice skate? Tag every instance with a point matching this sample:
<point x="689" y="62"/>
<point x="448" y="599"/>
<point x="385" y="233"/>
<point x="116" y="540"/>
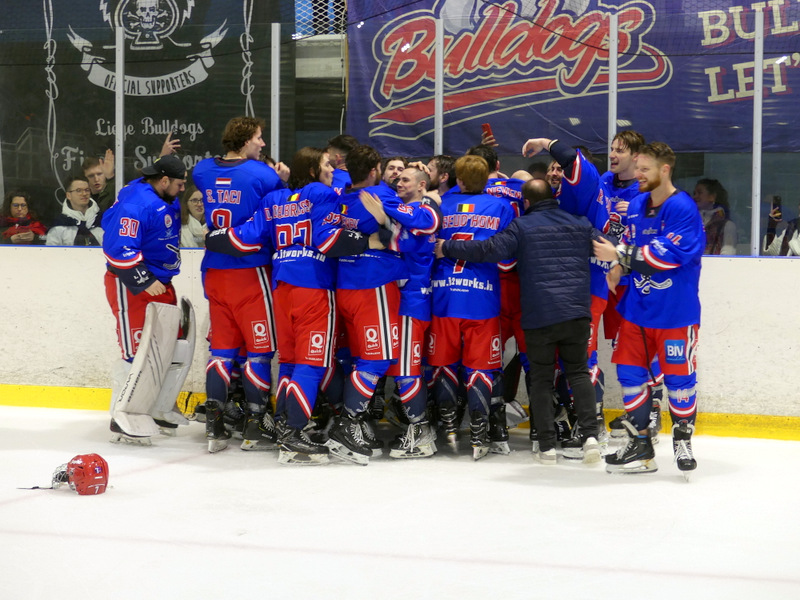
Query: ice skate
<point x="296" y="448"/>
<point x="479" y="435"/>
<point x="394" y="413"/>
<point x="498" y="431"/>
<point x="217" y="435"/>
<point x="563" y="429"/>
<point x="449" y="417"/>
<point x="120" y="437"/>
<point x="347" y="440"/>
<point x="581" y="447"/>
<point x="654" y="426"/>
<point x="682" y="447"/>
<point x="259" y="433"/>
<point x="637" y="456"/>
<point x="368" y="433"/>
<point x="166" y="428"/>
<point x="617" y="428"/>
<point x="234" y="418"/>
<point x="417" y="442"/>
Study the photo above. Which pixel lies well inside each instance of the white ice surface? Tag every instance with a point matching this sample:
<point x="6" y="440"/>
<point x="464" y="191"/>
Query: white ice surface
<point x="180" y="523"/>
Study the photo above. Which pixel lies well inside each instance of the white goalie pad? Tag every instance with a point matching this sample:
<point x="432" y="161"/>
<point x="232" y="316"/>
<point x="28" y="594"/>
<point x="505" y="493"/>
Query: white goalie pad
<point x="158" y="370"/>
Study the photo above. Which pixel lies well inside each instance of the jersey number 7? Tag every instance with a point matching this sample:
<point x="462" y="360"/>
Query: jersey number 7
<point x="459" y="268"/>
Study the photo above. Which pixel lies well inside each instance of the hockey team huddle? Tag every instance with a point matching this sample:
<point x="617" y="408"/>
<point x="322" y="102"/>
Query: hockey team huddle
<point x="423" y="279"/>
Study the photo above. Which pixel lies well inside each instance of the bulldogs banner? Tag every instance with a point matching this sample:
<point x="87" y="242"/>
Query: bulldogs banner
<point x="540" y="68"/>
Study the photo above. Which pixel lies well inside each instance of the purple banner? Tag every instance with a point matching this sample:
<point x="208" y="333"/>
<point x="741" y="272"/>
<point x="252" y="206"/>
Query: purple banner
<point x="540" y="68"/>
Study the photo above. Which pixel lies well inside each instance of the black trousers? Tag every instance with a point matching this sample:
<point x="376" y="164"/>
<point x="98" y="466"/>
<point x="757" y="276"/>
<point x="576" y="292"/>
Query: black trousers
<point x="570" y="339"/>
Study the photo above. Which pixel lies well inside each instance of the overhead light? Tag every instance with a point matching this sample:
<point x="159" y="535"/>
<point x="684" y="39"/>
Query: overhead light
<point x="623" y="123"/>
<point x="782" y="59"/>
<point x="574" y="121"/>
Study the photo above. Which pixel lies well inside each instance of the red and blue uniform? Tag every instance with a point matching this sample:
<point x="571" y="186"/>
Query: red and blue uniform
<point x="141" y="246"/>
<point x="238" y="288"/>
<point x="466" y="302"/>
<point x="661" y="306"/>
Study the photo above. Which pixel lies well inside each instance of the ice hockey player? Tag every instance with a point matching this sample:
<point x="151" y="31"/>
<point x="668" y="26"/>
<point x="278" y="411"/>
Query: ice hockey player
<point x="661" y="249"/>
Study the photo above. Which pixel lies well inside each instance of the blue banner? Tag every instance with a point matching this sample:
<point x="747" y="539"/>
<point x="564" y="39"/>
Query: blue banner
<point x="540" y="68"/>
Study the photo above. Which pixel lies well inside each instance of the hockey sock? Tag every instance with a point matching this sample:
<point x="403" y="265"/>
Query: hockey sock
<point x="218" y="374"/>
<point x="445" y="386"/>
<point x="635" y="394"/>
<point x="360" y="386"/>
<point x="413" y="394"/>
<point x="301" y="394"/>
<point x="682" y="395"/>
<point x="285" y="371"/>
<point x="257" y="381"/>
<point x="479" y="390"/>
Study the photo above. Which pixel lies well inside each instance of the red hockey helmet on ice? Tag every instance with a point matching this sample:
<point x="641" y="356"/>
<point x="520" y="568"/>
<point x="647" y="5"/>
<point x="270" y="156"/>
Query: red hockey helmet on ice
<point x="87" y="474"/>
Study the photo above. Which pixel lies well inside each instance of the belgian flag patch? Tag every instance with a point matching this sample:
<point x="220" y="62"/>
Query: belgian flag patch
<point x="465" y="208"/>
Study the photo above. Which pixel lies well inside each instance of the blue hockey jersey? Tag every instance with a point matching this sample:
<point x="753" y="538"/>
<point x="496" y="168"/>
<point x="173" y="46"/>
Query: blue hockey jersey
<point x="232" y="192"/>
<point x="341" y="181"/>
<point x="465" y="289"/>
<point x="298" y="226"/>
<point x="665" y="276"/>
<point x="373" y="268"/>
<point x="141" y="240"/>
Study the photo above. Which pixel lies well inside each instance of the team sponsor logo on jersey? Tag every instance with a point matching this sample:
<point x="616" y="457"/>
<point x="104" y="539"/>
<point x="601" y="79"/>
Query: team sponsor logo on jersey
<point x="168" y="220"/>
<point x="316" y="343"/>
<point x="675" y="351"/>
<point x="260" y="333"/>
<point x="223" y="182"/>
<point x="465" y="208"/>
<point x="372" y="338"/>
<point x="147" y="26"/>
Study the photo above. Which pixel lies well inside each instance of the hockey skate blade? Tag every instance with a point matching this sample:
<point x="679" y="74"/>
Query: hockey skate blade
<point x="215" y="445"/>
<point x="500" y="448"/>
<point x="344" y="453"/>
<point x="287" y="457"/>
<point x="452" y="441"/>
<point x="478" y="452"/>
<point x="618" y="433"/>
<point x="423" y="451"/>
<point x="637" y="466"/>
<point x="258" y="445"/>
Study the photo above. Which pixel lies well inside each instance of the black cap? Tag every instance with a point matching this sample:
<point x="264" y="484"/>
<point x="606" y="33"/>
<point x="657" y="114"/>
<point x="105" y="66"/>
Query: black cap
<point x="169" y="165"/>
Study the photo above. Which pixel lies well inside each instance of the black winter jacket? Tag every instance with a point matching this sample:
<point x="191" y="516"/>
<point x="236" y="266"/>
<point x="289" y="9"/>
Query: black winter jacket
<point x="552" y="248"/>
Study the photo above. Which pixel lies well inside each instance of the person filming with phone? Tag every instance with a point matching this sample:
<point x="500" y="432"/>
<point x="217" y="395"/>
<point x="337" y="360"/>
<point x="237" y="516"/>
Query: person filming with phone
<point x="788" y="242"/>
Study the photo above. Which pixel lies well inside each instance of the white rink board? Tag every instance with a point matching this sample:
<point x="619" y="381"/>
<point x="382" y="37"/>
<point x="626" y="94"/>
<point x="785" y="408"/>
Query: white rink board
<point x="58" y="330"/>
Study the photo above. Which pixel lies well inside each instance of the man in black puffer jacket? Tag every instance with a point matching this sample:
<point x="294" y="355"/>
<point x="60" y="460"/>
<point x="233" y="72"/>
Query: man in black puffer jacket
<point x="552" y="248"/>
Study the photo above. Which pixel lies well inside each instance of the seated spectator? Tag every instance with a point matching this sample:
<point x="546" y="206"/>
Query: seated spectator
<point x="18" y="224"/>
<point x="193" y="219"/>
<point x="712" y="202"/>
<point x="79" y="221"/>
<point x="788" y="242"/>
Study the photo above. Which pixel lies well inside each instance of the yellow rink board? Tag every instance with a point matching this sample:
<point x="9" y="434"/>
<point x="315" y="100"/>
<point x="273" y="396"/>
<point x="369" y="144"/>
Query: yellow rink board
<point x="719" y="424"/>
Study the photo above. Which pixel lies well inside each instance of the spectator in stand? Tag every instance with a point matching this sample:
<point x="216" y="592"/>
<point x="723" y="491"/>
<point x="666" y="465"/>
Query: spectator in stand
<point x="79" y="221"/>
<point x="712" y="202"/>
<point x="788" y="242"/>
<point x="193" y="219"/>
<point x="99" y="172"/>
<point x="18" y="224"/>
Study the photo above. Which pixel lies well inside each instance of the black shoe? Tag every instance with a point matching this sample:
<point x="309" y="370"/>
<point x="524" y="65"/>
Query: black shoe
<point x="216" y="433"/>
<point x="637" y="456"/>
<point x="682" y="446"/>
<point x="296" y="448"/>
<point x="259" y="433"/>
